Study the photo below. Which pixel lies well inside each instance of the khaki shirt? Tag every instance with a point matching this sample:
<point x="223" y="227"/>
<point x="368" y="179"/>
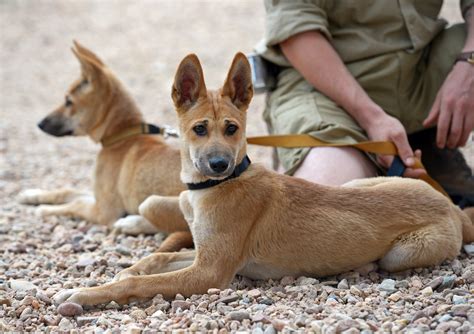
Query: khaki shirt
<point x="357" y="29"/>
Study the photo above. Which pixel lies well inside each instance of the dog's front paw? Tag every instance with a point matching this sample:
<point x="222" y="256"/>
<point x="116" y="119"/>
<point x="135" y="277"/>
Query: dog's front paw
<point x="43" y="211"/>
<point x="134" y="225"/>
<point x="64" y="295"/>
<point x="30" y="196"/>
<point x="125" y="274"/>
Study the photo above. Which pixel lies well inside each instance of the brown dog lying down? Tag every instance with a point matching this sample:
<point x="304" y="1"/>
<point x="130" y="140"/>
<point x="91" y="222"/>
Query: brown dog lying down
<point x="246" y="219"/>
<point x="130" y="166"/>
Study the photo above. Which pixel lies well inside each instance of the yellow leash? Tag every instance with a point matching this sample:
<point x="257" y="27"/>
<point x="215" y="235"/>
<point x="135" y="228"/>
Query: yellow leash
<point x="377" y="147"/>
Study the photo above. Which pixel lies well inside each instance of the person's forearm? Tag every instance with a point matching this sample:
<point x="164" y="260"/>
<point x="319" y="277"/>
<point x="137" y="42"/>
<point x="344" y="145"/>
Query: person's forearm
<point x="315" y="58"/>
<point x="469" y="17"/>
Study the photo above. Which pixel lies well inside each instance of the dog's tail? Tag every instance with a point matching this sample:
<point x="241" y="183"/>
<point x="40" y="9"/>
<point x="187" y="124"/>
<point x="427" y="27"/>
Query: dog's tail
<point x="467" y="218"/>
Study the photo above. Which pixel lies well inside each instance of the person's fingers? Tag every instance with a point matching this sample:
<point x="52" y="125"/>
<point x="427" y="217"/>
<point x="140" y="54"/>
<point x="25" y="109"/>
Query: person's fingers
<point x="433" y="115"/>
<point x="467" y="130"/>
<point x="455" y="130"/>
<point x="414" y="173"/>
<point x="444" y="121"/>
<point x="404" y="150"/>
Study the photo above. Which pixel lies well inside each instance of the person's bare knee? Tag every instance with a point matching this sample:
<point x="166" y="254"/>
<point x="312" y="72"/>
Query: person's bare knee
<point x="335" y="166"/>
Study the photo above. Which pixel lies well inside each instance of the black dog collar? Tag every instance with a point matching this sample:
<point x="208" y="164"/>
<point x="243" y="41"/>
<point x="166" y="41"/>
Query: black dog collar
<point x="239" y="169"/>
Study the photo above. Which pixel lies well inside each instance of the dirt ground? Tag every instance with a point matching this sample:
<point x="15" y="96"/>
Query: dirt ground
<point x="143" y="42"/>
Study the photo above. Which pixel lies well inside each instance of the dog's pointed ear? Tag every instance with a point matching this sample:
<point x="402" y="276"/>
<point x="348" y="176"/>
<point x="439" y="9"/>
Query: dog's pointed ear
<point x="238" y="85"/>
<point x="86" y="52"/>
<point x="91" y="66"/>
<point x="188" y="86"/>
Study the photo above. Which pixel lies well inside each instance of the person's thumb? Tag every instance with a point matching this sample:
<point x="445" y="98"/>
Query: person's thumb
<point x="404" y="150"/>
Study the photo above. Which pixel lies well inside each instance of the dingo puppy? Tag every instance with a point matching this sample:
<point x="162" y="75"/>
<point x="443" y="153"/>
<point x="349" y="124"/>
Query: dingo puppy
<point x="246" y="219"/>
<point x="130" y="166"/>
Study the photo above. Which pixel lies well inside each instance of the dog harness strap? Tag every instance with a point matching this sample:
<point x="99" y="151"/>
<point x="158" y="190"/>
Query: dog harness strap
<point x="376" y="147"/>
<point x="141" y="129"/>
<point x="239" y="169"/>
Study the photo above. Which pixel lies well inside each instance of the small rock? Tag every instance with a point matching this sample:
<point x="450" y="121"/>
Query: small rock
<point x="418" y="315"/>
<point x="228" y="299"/>
<point x="69" y="309"/>
<point x="469" y="249"/>
<point x="448" y="282"/>
<point x="269" y="330"/>
<point x="112" y="305"/>
<point x="460" y="310"/>
<point x="50" y="320"/>
<point x="448" y="326"/>
<point x="81" y="321"/>
<point x="65" y="324"/>
<point x="458" y="300"/>
<point x="123" y="250"/>
<point x="159" y="314"/>
<point x="343" y="284"/>
<point x="266" y="301"/>
<point x="403" y="284"/>
<point x="22" y="285"/>
<point x="306" y="281"/>
<point x="257" y="330"/>
<point x="468" y="276"/>
<point x="300" y="321"/>
<point x="4" y="300"/>
<point x="213" y="291"/>
<point x="85" y="261"/>
<point x="387" y="285"/>
<point x="179" y="297"/>
<point x="239" y="315"/>
<point x="254" y="293"/>
<point x="426" y="292"/>
<point x="445" y="317"/>
<point x="435" y="282"/>
<point x="182" y="304"/>
<point x="287" y="280"/>
<point x="395" y="297"/>
<point x="138" y="314"/>
<point x="43" y="297"/>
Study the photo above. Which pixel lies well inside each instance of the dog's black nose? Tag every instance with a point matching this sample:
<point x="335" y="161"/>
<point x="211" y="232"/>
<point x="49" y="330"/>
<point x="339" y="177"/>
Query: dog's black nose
<point x="42" y="124"/>
<point x="218" y="164"/>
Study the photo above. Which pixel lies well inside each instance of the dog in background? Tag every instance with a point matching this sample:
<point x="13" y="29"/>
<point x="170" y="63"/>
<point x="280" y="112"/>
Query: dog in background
<point x="246" y="219"/>
<point x="131" y="165"/>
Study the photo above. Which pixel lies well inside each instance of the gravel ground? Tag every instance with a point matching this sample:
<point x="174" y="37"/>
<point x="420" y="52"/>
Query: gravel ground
<point x="143" y="42"/>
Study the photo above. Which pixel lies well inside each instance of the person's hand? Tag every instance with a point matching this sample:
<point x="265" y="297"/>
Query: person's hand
<point x="453" y="109"/>
<point x="388" y="128"/>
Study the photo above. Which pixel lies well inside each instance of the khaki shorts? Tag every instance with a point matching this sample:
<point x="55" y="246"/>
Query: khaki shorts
<point x="404" y="84"/>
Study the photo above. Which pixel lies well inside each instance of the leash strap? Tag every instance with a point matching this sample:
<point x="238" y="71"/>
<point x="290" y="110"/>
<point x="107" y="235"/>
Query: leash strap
<point x="239" y="169"/>
<point x="377" y="147"/>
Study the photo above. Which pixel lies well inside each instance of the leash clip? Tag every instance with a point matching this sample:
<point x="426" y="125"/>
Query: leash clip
<point x="168" y="131"/>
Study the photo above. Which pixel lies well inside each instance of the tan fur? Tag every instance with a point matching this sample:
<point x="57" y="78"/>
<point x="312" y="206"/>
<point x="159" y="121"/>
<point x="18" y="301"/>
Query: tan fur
<point x="266" y="225"/>
<point x="126" y="172"/>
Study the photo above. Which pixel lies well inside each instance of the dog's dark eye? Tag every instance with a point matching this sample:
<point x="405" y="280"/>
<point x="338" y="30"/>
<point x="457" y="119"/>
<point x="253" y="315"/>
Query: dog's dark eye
<point x="231" y="129"/>
<point x="200" y="130"/>
<point x="68" y="102"/>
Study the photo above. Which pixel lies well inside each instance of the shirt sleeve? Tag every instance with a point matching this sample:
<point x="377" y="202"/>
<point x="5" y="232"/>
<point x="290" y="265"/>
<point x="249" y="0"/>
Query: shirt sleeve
<point x="285" y="18"/>
<point x="465" y="4"/>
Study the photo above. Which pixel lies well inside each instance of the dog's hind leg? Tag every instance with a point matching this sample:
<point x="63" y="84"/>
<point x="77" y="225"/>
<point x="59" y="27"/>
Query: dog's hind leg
<point x="158" y="263"/>
<point x="164" y="213"/>
<point x="82" y="207"/>
<point x="429" y="245"/>
<point x="59" y="196"/>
